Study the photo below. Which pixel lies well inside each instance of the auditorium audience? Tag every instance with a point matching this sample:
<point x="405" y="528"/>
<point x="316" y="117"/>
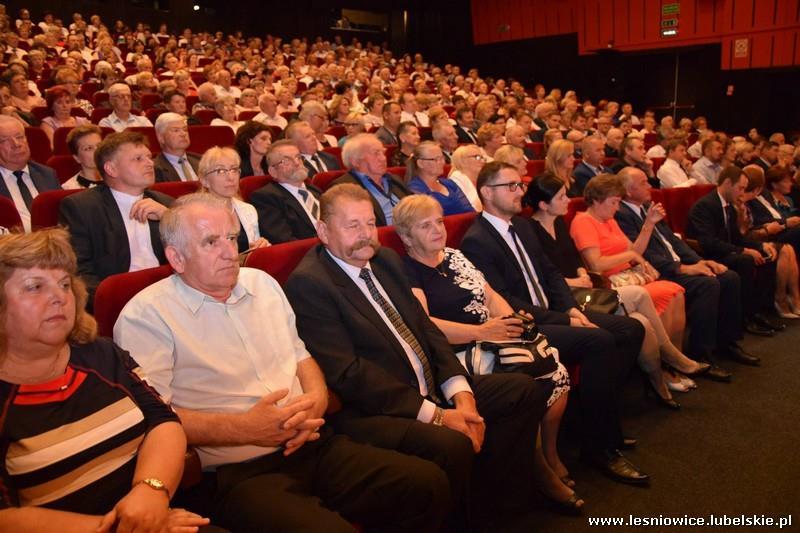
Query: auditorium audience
<point x="591" y="163"/>
<point x="107" y="454"/>
<point x="260" y="431"/>
<point x="314" y="159"/>
<point x="59" y="103"/>
<point x="128" y="240"/>
<point x="82" y="142"/>
<point x="425" y="175"/>
<point x="708" y="167"/>
<point x="677" y="169"/>
<point x="353" y="125"/>
<point x="23" y="179"/>
<point x="252" y="142"/>
<point x="174" y="163"/>
<point x="513" y="156"/>
<point x="408" y="135"/>
<point x="632" y="154"/>
<point x="316" y="116"/>
<point x="490" y="138"/>
<point x="120" y="98"/>
<point x="225" y="107"/>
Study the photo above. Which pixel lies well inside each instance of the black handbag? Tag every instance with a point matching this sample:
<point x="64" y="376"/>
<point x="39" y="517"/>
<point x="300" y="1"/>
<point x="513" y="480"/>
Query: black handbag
<point x="597" y="299"/>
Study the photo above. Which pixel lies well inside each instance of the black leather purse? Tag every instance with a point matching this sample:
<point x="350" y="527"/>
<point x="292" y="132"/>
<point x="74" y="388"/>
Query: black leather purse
<point x="597" y="299"/>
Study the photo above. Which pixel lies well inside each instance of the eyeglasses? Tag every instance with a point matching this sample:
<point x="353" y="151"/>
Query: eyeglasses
<point x="511" y="185"/>
<point x="233" y="171"/>
<point x="477" y="157"/>
<point x="437" y="158"/>
<point x="296" y="159"/>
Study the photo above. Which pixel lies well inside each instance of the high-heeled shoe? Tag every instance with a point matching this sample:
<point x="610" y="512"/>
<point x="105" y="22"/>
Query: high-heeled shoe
<point x="795" y="308"/>
<point x="571" y="507"/>
<point x="667" y="403"/>
<point x="689" y="382"/>
<point x="677" y="386"/>
<point x="702" y="368"/>
<point x="786" y="314"/>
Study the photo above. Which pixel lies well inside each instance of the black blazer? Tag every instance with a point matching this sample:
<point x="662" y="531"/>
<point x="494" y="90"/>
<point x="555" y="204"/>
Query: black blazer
<point x="329" y="160"/>
<point x="658" y="254"/>
<point x="43" y="177"/>
<point x="487" y="250"/>
<point x="707" y="224"/>
<point x="760" y="213"/>
<point x="359" y="355"/>
<point x="166" y="172"/>
<point x="463" y="136"/>
<point x="396" y="187"/>
<point x="583" y="174"/>
<point x="98" y="234"/>
<point x="281" y="218"/>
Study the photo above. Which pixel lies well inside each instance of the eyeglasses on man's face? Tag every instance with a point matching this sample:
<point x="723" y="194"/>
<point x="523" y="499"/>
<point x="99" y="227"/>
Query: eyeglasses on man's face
<point x="512" y="186"/>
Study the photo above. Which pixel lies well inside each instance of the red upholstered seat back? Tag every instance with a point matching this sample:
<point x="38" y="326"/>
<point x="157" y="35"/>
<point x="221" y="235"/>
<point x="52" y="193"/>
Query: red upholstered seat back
<point x="205" y="137"/>
<point x="279" y="260"/>
<point x="64" y="165"/>
<point x="576" y="205"/>
<point x="115" y="291"/>
<point x="39" y="143"/>
<point x="250" y="184"/>
<point x="9" y="216"/>
<point x="535" y="167"/>
<point x="677" y="202"/>
<point x="323" y="180"/>
<point x="457" y="226"/>
<point x="389" y="238"/>
<point x="44" y="209"/>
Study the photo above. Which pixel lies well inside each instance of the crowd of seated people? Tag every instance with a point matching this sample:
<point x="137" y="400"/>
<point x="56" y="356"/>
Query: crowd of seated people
<point x="346" y="139"/>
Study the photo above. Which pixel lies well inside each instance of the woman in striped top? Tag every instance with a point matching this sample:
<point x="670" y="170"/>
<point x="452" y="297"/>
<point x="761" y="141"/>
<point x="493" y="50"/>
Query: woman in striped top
<point x="86" y="444"/>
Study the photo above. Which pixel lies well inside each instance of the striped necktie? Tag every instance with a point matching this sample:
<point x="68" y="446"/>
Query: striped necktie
<point x="406" y="334"/>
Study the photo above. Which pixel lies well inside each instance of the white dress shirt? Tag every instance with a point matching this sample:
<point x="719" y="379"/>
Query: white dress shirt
<point x="139" y="240"/>
<point x="248" y="217"/>
<point x="418" y="117"/>
<point x="656" y="151"/>
<point x="13" y="188"/>
<point x="671" y="174"/>
<point x="117" y="124"/>
<point x="502" y="228"/>
<point x="707" y="172"/>
<point x="450" y="387"/>
<point x="211" y="356"/>
<point x="277" y="120"/>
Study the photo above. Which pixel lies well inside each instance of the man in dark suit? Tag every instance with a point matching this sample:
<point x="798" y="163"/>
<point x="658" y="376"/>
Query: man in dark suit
<point x="768" y="155"/>
<point x="504" y="247"/>
<point x="633" y="154"/>
<point x="714" y="223"/>
<point x="592" y="162"/>
<point x="174" y="163"/>
<point x="387" y="133"/>
<point x="315" y="161"/>
<point x="288" y="208"/>
<point x="114" y="226"/>
<point x="465" y="122"/>
<point x="399" y="380"/>
<point x="553" y="122"/>
<point x="364" y="155"/>
<point x="713" y="293"/>
<point x="22" y="179"/>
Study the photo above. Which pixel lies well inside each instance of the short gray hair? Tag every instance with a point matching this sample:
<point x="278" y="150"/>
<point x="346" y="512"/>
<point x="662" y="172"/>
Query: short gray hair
<point x="353" y="149"/>
<point x="165" y="119"/>
<point x="173" y="225"/>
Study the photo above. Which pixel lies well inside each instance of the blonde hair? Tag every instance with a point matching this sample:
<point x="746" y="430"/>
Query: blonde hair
<point x="459" y="158"/>
<point x="47" y="249"/>
<point x="558" y="151"/>
<point x="411" y="209"/>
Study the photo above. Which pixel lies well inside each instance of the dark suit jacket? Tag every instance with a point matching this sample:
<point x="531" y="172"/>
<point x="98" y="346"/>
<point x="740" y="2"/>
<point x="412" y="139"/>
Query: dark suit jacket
<point x="385" y="136"/>
<point x="761" y="214"/>
<point x="43" y="177"/>
<point x="281" y="218"/>
<point x="538" y="135"/>
<point x="396" y="187"/>
<point x="329" y="160"/>
<point x="359" y="355"/>
<point x="760" y="162"/>
<point x="98" y="234"/>
<point x="463" y="138"/>
<point x="487" y="250"/>
<point x="707" y="225"/>
<point x="658" y="254"/>
<point x="583" y="174"/>
<point x="166" y="172"/>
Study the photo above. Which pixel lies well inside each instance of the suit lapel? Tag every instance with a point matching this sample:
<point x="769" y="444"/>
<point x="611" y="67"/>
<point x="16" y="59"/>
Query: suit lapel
<point x="115" y="225"/>
<point x="3" y="189"/>
<point x="293" y="204"/>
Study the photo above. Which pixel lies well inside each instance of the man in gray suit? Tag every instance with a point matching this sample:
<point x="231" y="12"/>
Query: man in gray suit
<point x="22" y="179"/>
<point x="174" y="163"/>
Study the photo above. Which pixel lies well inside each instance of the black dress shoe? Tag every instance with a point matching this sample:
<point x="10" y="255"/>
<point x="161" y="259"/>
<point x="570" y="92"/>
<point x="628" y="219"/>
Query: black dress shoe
<point x="752" y="327"/>
<point x="616" y="466"/>
<point x="761" y="320"/>
<point x="717" y="373"/>
<point x="735" y="353"/>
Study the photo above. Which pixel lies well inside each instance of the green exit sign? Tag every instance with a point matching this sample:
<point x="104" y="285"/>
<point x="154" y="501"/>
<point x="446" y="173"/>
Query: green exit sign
<point x="670" y="9"/>
<point x="669" y="23"/>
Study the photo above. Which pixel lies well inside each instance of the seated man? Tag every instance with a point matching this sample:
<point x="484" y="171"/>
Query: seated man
<point x="114" y="226"/>
<point x="219" y="343"/>
<point x="445" y="135"/>
<point x="677" y="169"/>
<point x="410" y="111"/>
<point x="175" y="102"/>
<point x="713" y="221"/>
<point x="768" y="155"/>
<point x="553" y="122"/>
<point x="314" y="160"/>
<point x="708" y="167"/>
<point x="633" y="155"/>
<point x="365" y="157"/>
<point x="288" y="208"/>
<point x="23" y="179"/>
<point x="268" y="104"/>
<point x="465" y="126"/>
<point x="387" y="133"/>
<point x="515" y="136"/>
<point x="614" y="139"/>
<point x="120" y="98"/>
<point x="174" y="163"/>
<point x="592" y="163"/>
<point x="713" y="293"/>
<point x="206" y="97"/>
<point x="505" y="248"/>
<point x="401" y="385"/>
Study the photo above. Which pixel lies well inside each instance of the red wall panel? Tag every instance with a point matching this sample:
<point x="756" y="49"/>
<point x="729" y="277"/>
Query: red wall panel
<point x="772" y="26"/>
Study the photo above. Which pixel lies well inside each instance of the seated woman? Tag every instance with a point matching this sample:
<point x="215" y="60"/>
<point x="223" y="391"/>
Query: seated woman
<point x="219" y="171"/>
<point x="515" y="157"/>
<point x="605" y="249"/>
<point x="466" y="309"/>
<point x="82" y="142"/>
<point x="353" y="125"/>
<point x="490" y="138"/>
<point x="88" y="445"/>
<point x="760" y="220"/>
<point x="408" y="135"/>
<point x="465" y="165"/>
<point x="252" y="142"/>
<point x="424" y="176"/>
<point x="248" y="101"/>
<point x="59" y="102"/>
<point x="560" y="162"/>
<point x="226" y="109"/>
<point x="338" y="109"/>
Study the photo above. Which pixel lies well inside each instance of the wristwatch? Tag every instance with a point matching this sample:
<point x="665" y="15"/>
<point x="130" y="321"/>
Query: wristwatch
<point x="154" y="483"/>
<point x="438" y="417"/>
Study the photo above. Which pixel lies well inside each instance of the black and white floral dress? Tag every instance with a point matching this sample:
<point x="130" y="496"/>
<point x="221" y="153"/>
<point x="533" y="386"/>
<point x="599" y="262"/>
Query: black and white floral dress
<point x="456" y="291"/>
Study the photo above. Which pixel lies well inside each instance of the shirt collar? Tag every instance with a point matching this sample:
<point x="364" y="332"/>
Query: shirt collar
<point x="6" y="172"/>
<point x="194" y="299"/>
<point x="721" y="199"/>
<point x="636" y="208"/>
<point x="499" y="224"/>
<point x="174" y="159"/>
<point x="352" y="271"/>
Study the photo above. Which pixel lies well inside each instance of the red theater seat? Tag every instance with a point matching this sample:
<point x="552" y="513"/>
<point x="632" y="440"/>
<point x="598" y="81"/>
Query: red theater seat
<point x="248" y="185"/>
<point x="535" y="167"/>
<point x="148" y="100"/>
<point x="336" y="131"/>
<point x="205" y="137"/>
<point x="677" y="202"/>
<point x="206" y="115"/>
<point x="537" y="148"/>
<point x="336" y="152"/>
<point x="247" y="114"/>
<point x="457" y="226"/>
<point x="150" y="133"/>
<point x="176" y="189"/>
<point x="64" y="165"/>
<point x="389" y="238"/>
<point x="44" y="209"/>
<point x="279" y="260"/>
<point x="39" y="143"/>
<point x="576" y="205"/>
<point x="323" y="180"/>
<point x="9" y="216"/>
